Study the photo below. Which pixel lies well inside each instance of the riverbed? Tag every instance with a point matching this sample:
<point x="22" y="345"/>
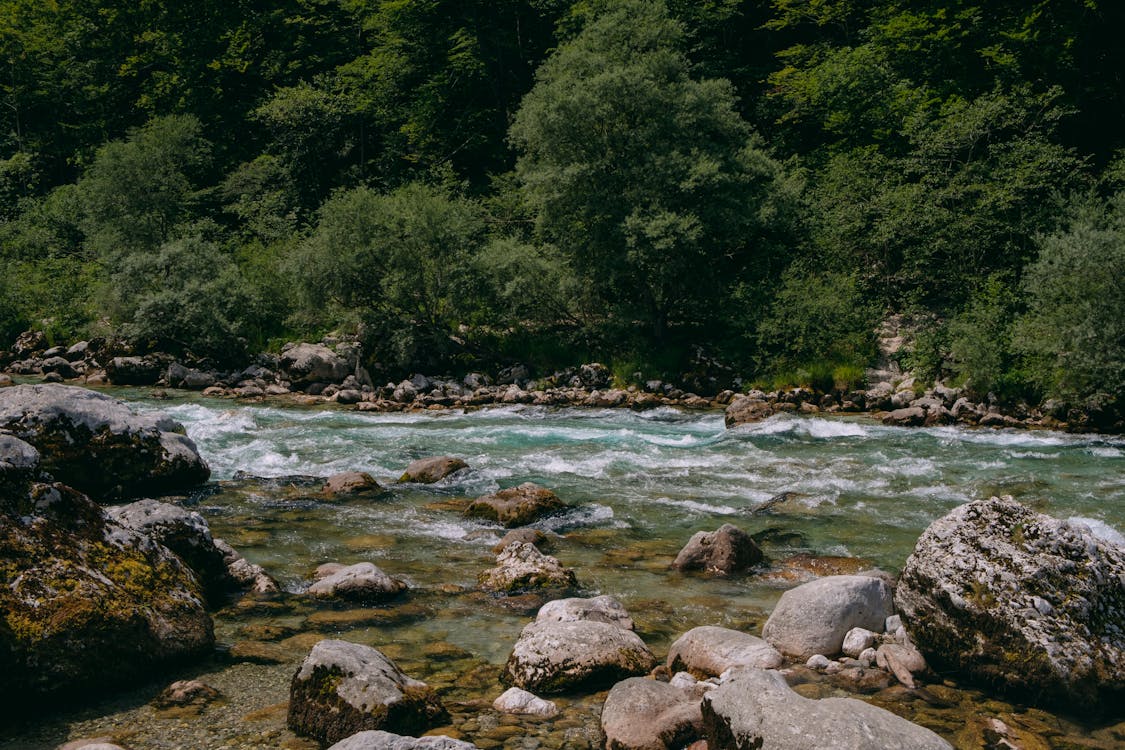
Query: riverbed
<point x="857" y="495"/>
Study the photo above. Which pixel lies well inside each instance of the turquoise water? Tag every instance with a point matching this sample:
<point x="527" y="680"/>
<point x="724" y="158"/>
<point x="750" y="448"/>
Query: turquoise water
<point x="639" y="484"/>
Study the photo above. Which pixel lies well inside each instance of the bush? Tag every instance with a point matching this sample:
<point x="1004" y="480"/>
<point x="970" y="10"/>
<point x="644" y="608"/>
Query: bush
<point x="980" y="342"/>
<point x="1073" y="333"/>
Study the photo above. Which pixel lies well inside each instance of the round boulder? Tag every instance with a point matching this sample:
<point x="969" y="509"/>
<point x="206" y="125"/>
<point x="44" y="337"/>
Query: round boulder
<point x="517" y="701"/>
<point x="433" y="469"/>
<point x="516" y="506"/>
<point x="602" y="608"/>
<point x="724" y="551"/>
<point x="343" y="688"/>
<point x="755" y="708"/>
<point x="373" y="740"/>
<point x="360" y="582"/>
<point x="814" y="617"/>
<point x="351" y="484"/>
<point x="708" y="651"/>
<point x="98" y="445"/>
<point x="558" y="657"/>
<point x="643" y="714"/>
<point x="304" y="364"/>
<point x="746" y="410"/>
<point x="1020" y="601"/>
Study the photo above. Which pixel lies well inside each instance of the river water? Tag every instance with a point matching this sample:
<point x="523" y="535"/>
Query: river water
<point x="638" y="483"/>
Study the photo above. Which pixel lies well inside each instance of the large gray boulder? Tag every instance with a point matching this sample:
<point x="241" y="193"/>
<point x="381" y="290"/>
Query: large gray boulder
<point x="378" y="740"/>
<point x="756" y="709"/>
<point x="814" y="617"/>
<point x="360" y="582"/>
<point x="516" y="506"/>
<point x="643" y="714"/>
<point x="1020" y="601"/>
<point x="304" y="364"/>
<point x="708" y="651"/>
<point x="558" y="657"/>
<point x="725" y="551"/>
<point x="100" y="446"/>
<point x="135" y="370"/>
<point x="342" y="688"/>
<point x="18" y="463"/>
<point x="746" y="410"/>
<point x="86" y="603"/>
<point x="183" y="531"/>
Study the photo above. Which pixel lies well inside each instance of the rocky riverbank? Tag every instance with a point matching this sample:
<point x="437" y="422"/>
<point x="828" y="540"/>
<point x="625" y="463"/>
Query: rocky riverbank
<point x="1020" y="603"/>
<point x="331" y="373"/>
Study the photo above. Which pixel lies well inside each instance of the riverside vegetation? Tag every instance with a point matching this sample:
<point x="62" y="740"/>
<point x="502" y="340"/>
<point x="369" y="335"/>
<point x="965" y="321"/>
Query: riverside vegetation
<point x="743" y="191"/>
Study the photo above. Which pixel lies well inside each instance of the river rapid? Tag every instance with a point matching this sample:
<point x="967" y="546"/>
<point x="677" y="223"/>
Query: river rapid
<point x="639" y="485"/>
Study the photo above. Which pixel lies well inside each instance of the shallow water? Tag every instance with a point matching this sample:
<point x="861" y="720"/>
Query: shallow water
<point x="639" y="485"/>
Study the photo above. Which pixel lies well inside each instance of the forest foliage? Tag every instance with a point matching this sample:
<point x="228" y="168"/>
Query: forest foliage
<point x="737" y="188"/>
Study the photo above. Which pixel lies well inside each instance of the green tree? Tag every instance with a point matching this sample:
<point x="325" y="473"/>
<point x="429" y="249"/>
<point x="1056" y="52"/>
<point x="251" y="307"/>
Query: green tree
<point x="399" y="263"/>
<point x="1074" y="330"/>
<point x="138" y="190"/>
<point x="646" y="178"/>
<point x="980" y="342"/>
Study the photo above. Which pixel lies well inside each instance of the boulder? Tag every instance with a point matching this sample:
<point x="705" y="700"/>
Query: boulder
<point x="29" y="342"/>
<point x="559" y="657"/>
<point x="1020" y="601"/>
<point x="902" y="660"/>
<point x="432" y="469"/>
<point x="186" y="693"/>
<point x="98" y="445"/>
<point x="86" y="602"/>
<point x="305" y="364"/>
<point x="245" y="574"/>
<point x="90" y="743"/>
<point x="526" y="535"/>
<point x="517" y="701"/>
<point x="135" y="370"/>
<point x="58" y="365"/>
<point x="351" y="484"/>
<point x="360" y="582"/>
<point x="858" y="640"/>
<point x="814" y="617"/>
<point x="516" y="506"/>
<point x="602" y="608"/>
<point x="643" y="714"/>
<point x="745" y="410"/>
<point x="183" y="531"/>
<point x="756" y="709"/>
<point x="708" y="651"/>
<point x="18" y="460"/>
<point x="724" y="551"/>
<point x="6" y="380"/>
<point x="909" y="416"/>
<point x="372" y="740"/>
<point x="342" y="688"/>
<point x="522" y="567"/>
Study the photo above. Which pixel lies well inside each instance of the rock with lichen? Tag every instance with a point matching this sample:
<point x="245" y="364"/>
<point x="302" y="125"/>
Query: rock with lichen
<point x="522" y="567"/>
<point x="1020" y="601"/>
<point x="85" y="601"/>
<point x="516" y="506"/>
<point x="343" y="688"/>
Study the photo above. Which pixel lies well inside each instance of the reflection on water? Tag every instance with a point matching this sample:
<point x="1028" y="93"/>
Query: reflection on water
<point x="639" y="485"/>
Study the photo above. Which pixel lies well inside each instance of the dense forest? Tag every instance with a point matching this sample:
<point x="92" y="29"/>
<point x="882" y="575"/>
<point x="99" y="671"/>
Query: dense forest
<point x="741" y="187"/>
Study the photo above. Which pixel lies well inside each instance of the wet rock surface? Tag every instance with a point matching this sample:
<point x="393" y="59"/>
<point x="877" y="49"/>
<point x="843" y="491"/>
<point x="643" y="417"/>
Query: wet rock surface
<point x="522" y="567"/>
<point x="725" y="551"/>
<point x="359" y="582"/>
<point x="98" y="445"/>
<point x="1020" y="601"/>
<point x="757" y="709"/>
<point x="343" y="688"/>
<point x="516" y="506"/>
<point x="432" y="469"/>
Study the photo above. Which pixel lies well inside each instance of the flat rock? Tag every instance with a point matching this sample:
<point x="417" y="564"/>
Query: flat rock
<point x="814" y="617"/>
<point x="432" y="469"/>
<point x="522" y="567"/>
<point x="909" y="416"/>
<point x="557" y="657"/>
<point x="757" y="709"/>
<point x="602" y="608"/>
<point x="98" y="445"/>
<point x="1020" y="601"/>
<point x="725" y="551"/>
<point x="360" y="582"/>
<point x="708" y="651"/>
<point x="644" y="714"/>
<point x="375" y="740"/>
<point x="343" y="688"/>
<point x="516" y="506"/>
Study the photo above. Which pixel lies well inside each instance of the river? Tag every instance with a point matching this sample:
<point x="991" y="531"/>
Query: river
<point x="638" y="483"/>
